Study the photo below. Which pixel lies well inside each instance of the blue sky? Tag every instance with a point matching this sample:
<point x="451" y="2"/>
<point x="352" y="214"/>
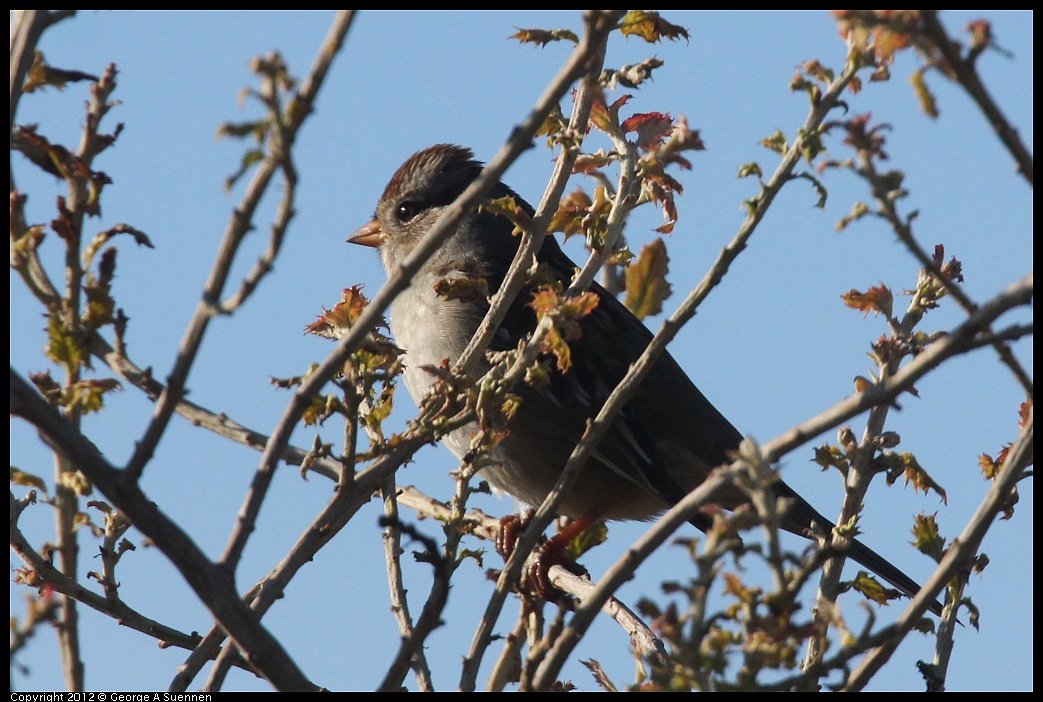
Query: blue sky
<point x="772" y="346"/>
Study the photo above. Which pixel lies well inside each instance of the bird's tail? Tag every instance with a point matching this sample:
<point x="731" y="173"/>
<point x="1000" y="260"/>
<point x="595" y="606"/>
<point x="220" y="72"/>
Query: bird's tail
<point x="872" y="560"/>
<point x="801" y="516"/>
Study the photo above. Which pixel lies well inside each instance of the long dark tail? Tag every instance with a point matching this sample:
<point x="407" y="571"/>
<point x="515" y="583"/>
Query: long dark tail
<point x="799" y="519"/>
<point x="888" y="571"/>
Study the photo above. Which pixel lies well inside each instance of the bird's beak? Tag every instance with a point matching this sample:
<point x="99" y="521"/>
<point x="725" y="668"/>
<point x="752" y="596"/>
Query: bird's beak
<point x="368" y="235"/>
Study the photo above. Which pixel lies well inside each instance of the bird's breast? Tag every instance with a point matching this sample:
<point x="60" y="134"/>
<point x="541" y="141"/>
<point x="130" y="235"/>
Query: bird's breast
<point x="430" y="328"/>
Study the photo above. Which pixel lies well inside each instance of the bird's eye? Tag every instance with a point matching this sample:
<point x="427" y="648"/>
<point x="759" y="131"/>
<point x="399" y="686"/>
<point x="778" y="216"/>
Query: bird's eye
<point x="407" y="210"/>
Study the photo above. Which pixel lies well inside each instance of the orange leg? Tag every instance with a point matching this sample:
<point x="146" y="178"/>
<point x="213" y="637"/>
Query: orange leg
<point x="551" y="552"/>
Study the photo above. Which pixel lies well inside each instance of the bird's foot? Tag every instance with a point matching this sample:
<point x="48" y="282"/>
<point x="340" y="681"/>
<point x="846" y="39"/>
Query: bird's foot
<point x="547" y="554"/>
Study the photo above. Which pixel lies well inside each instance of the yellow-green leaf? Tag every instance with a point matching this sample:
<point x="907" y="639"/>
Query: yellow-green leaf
<point x="41" y="74"/>
<point x="926" y="537"/>
<point x="88" y="395"/>
<point x="915" y="474"/>
<point x="75" y="481"/>
<point x="650" y="26"/>
<point x="508" y="207"/>
<point x="20" y="477"/>
<point x="587" y="539"/>
<point x="62" y="346"/>
<point x="873" y="590"/>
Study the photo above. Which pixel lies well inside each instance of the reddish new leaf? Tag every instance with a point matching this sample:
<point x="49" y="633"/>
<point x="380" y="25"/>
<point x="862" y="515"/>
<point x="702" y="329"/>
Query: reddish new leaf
<point x="651" y="128"/>
<point x="332" y="324"/>
<point x="571" y="210"/>
<point x="605" y="117"/>
<point x="878" y="300"/>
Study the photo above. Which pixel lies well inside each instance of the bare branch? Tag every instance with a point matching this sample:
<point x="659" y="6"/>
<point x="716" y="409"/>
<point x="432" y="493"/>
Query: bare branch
<point x="960" y="340"/>
<point x="238" y="226"/>
<point x="968" y="77"/>
<point x="29" y="25"/>
<point x="117" y="609"/>
<point x="211" y="583"/>
<point x="399" y="602"/>
<point x="638" y="370"/>
<point x="961" y="551"/>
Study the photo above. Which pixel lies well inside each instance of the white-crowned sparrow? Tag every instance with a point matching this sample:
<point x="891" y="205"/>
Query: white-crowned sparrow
<point x="662" y="445"/>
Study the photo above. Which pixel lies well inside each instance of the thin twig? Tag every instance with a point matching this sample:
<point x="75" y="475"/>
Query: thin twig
<point x="520" y="139"/>
<point x="346" y="501"/>
<point x="399" y="602"/>
<point x="117" y="609"/>
<point x="967" y="76"/>
<point x="430" y="616"/>
<point x="638" y="370"/>
<point x="219" y="423"/>
<point x="904" y="232"/>
<point x="961" y="339"/>
<point x="961" y="551"/>
<point x="212" y="584"/>
<point x="238" y="226"/>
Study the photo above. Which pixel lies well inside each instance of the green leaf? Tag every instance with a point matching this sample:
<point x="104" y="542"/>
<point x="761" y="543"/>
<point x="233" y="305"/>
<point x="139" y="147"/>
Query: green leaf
<point x="923" y="93"/>
<point x="819" y="188"/>
<point x="240" y="130"/>
<point x="77" y="482"/>
<point x="249" y="158"/>
<point x="873" y="590"/>
<point x="776" y="142"/>
<point x="507" y="207"/>
<point x="587" y="539"/>
<point x="750" y="169"/>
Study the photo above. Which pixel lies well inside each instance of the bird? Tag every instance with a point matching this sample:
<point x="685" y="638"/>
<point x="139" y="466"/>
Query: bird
<point x="663" y="443"/>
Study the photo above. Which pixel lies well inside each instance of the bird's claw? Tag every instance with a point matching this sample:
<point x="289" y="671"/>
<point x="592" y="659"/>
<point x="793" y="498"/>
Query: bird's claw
<point x="546" y="554"/>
